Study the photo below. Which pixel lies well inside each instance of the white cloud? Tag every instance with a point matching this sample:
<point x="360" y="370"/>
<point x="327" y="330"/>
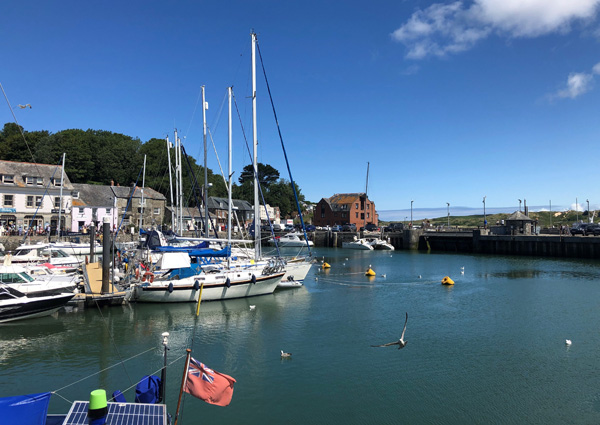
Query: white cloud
<point x="596" y="68"/>
<point x="450" y="28"/>
<point x="578" y="83"/>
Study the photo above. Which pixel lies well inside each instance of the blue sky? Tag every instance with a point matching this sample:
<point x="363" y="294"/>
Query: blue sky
<point x="447" y="101"/>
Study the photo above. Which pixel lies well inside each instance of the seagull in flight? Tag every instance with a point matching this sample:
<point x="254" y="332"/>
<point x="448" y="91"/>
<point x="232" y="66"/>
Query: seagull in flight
<point x="25" y="106"/>
<point x="400" y="343"/>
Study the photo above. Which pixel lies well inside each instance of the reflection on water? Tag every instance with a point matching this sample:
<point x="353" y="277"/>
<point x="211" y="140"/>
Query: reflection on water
<point x="489" y="349"/>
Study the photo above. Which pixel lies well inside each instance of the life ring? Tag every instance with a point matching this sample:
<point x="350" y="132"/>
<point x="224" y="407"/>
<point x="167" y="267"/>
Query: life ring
<point x="149" y="276"/>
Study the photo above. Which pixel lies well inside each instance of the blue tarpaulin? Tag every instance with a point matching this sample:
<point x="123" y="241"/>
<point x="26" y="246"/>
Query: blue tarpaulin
<point x="30" y="409"/>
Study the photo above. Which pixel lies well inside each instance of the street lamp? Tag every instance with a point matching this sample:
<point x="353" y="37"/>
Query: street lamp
<point x="588" y="202"/>
<point x="411" y="216"/>
<point x="484" y="217"/>
<point x="519" y="205"/>
<point x="448" y="203"/>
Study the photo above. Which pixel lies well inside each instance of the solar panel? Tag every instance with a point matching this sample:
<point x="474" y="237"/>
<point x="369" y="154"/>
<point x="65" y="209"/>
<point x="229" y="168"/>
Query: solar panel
<point x="120" y="414"/>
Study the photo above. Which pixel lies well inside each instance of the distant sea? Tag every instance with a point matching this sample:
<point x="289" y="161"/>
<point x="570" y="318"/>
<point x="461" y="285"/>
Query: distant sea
<point x="423" y="213"/>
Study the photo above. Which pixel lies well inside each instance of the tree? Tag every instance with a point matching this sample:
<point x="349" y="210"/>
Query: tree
<point x="267" y="175"/>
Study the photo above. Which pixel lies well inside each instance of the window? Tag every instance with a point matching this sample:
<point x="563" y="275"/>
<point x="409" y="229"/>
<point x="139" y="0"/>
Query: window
<point x="31" y="181"/>
<point x="81" y="210"/>
<point x="8" y="178"/>
<point x="8" y="200"/>
<point x="343" y="215"/>
<point x="356" y="215"/>
<point x="356" y="205"/>
<point x="75" y="194"/>
<point x="57" y="202"/>
<point x="107" y="210"/>
<point x="38" y="201"/>
<point x="367" y="215"/>
<point x="29" y="201"/>
<point x="57" y="182"/>
<point x="156" y="210"/>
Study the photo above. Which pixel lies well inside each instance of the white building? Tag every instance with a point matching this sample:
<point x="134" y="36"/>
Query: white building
<point x="31" y="196"/>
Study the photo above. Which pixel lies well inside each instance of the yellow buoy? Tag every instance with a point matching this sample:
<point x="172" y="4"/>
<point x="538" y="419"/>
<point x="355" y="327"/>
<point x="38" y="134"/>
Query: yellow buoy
<point x="447" y="281"/>
<point x="326" y="265"/>
<point x="370" y="272"/>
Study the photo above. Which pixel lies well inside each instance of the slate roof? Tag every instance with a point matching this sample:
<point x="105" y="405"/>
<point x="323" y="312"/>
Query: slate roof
<point x="518" y="216"/>
<point x="125" y="192"/>
<point x="46" y="171"/>
<point x="93" y="195"/>
<point x="215" y="202"/>
<point x="339" y="199"/>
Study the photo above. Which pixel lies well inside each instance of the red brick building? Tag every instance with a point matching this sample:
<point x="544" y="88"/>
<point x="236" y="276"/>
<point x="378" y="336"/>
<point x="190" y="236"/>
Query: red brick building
<point x="345" y="208"/>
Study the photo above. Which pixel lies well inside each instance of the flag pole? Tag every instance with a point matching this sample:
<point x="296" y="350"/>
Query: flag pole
<point x="183" y="381"/>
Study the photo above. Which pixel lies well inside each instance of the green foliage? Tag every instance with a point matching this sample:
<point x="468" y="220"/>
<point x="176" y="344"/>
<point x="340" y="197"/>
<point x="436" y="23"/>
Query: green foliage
<point x="104" y="157"/>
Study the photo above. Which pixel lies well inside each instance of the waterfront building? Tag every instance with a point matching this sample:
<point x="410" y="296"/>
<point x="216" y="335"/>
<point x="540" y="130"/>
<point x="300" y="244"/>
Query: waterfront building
<point x="91" y="203"/>
<point x="31" y="196"/>
<point x="346" y="208"/>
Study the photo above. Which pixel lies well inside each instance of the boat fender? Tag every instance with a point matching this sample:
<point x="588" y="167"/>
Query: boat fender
<point x="196" y="285"/>
<point x="253" y="279"/>
<point x="137" y="273"/>
<point x="170" y="289"/>
<point x="228" y="283"/>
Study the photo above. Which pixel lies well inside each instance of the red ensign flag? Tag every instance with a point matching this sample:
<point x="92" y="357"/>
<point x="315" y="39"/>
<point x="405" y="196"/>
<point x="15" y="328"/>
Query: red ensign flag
<point x="209" y="385"/>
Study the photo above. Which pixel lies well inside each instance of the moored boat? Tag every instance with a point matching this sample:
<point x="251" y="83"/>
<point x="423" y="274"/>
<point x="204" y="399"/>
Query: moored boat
<point x="15" y="305"/>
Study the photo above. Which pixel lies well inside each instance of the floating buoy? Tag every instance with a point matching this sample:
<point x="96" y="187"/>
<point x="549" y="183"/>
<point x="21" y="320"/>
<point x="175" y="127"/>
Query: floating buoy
<point x="369" y="272"/>
<point x="326" y="266"/>
<point x="447" y="281"/>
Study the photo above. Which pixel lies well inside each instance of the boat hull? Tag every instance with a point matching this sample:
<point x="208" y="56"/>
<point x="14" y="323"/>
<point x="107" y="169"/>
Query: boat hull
<point x="29" y="308"/>
<point x="186" y="290"/>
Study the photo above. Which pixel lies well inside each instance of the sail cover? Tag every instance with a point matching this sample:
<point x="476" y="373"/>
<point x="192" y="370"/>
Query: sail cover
<point x="28" y="409"/>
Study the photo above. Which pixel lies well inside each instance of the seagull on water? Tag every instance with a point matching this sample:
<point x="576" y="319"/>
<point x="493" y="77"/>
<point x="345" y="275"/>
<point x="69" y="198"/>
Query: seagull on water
<point x="400" y="343"/>
<point x="568" y="342"/>
<point x="252" y="307"/>
<point x="284" y="354"/>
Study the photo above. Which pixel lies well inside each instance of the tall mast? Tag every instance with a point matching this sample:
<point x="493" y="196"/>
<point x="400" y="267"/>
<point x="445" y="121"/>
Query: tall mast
<point x="230" y="173"/>
<point x="366" y="198"/>
<point x="62" y="183"/>
<point x="179" y="185"/>
<point x="257" y="223"/>
<point x="176" y="227"/>
<point x="142" y="201"/>
<point x="205" y="165"/>
<point x="170" y="183"/>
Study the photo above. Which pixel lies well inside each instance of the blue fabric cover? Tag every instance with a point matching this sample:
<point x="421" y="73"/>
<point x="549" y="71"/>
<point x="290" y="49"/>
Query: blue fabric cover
<point x="118" y="397"/>
<point x="148" y="390"/>
<point x="30" y="409"/>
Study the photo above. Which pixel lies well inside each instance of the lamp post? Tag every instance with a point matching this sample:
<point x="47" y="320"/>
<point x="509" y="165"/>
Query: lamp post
<point x="588" y="203"/>
<point x="448" y="203"/>
<point x="411" y="216"/>
<point x="484" y="217"/>
<point x="550" y="213"/>
<point x="519" y="205"/>
<point x="577" y="209"/>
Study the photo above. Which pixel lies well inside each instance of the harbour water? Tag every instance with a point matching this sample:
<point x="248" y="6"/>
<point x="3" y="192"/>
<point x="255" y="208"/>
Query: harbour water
<point x="488" y="350"/>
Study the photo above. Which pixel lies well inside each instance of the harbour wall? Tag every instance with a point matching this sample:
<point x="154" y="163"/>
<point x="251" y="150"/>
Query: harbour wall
<point x="477" y="241"/>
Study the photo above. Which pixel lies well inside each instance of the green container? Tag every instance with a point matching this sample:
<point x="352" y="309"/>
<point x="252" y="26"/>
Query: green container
<point x="98" y="400"/>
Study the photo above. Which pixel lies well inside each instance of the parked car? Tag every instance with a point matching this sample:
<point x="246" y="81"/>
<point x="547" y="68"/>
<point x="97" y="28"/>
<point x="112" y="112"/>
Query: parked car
<point x="289" y="228"/>
<point x="336" y="228"/>
<point x="579" y="229"/>
<point x="394" y="227"/>
<point x="351" y="227"/>
<point x="593" y="229"/>
<point x="311" y="228"/>
<point x="277" y="227"/>
<point x="370" y="227"/>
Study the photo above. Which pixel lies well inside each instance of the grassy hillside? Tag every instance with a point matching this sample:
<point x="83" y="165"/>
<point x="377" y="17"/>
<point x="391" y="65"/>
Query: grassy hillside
<point x="544" y="218"/>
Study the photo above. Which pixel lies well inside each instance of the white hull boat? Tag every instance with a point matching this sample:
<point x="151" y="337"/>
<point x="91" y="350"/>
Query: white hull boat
<point x="17" y="277"/>
<point x="290" y="240"/>
<point x="361" y="244"/>
<point x="15" y="305"/>
<point x="380" y="244"/>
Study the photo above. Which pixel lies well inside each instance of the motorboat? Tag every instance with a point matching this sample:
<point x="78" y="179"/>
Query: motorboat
<point x="380" y="244"/>
<point x="77" y="249"/>
<point x="16" y="277"/>
<point x="43" y="253"/>
<point x="15" y="305"/>
<point x="292" y="239"/>
<point x="358" y="243"/>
